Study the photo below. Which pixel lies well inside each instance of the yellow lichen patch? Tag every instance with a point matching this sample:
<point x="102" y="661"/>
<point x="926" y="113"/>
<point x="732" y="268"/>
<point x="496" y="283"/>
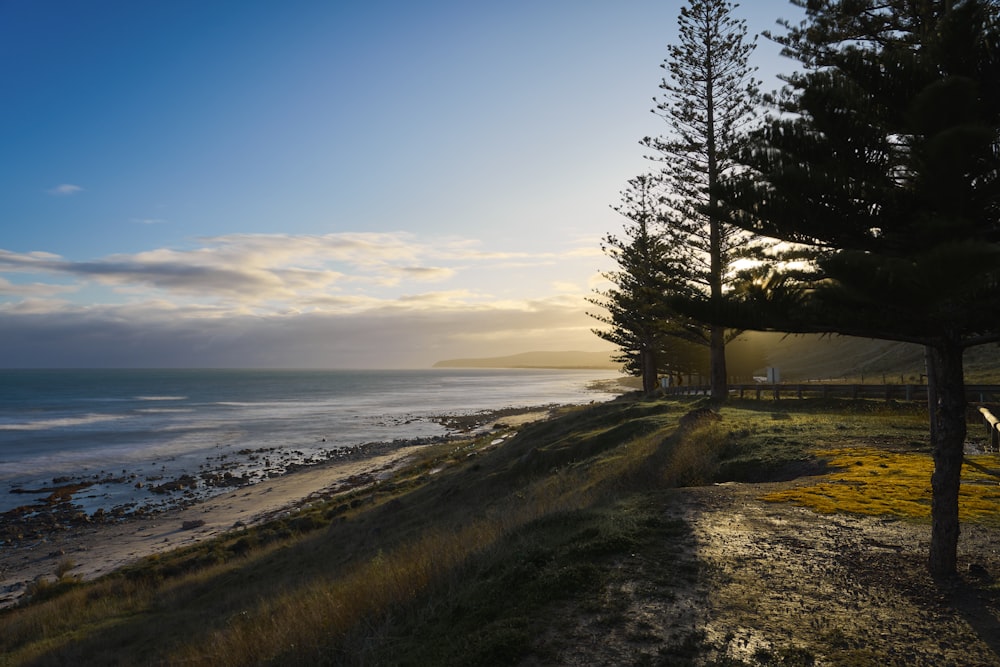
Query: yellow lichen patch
<point x="878" y="482"/>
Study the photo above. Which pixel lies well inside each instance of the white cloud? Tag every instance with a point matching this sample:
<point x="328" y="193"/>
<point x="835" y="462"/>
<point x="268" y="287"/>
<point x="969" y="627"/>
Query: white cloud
<point x="343" y="299"/>
<point x="29" y="261"/>
<point x="427" y="273"/>
<point x="566" y="287"/>
<point x="65" y="190"/>
<point x="386" y="337"/>
<point x="30" y="290"/>
<point x="598" y="281"/>
<point x="278" y="271"/>
<point x="586" y="251"/>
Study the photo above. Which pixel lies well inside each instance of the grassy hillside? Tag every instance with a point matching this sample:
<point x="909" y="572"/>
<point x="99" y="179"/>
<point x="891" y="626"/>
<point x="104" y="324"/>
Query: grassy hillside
<point x="482" y="552"/>
<point x="846" y="359"/>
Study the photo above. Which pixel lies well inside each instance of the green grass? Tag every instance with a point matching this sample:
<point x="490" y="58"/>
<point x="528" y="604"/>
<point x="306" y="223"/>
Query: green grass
<point x="474" y="554"/>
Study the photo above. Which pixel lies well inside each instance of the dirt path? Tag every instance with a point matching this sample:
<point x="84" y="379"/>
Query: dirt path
<point x="775" y="584"/>
<point x="850" y="589"/>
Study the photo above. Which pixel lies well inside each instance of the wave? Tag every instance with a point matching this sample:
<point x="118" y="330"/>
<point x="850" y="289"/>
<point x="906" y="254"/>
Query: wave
<point x="59" y="422"/>
<point x="161" y="398"/>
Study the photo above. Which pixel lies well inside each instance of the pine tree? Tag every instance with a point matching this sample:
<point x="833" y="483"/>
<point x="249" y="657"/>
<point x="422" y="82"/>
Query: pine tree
<point x="710" y="98"/>
<point x="886" y="171"/>
<point x="648" y="333"/>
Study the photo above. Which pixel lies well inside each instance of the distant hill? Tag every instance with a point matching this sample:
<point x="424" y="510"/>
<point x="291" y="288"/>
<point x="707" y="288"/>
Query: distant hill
<point x="815" y="357"/>
<point x="597" y="360"/>
<point x="799" y="358"/>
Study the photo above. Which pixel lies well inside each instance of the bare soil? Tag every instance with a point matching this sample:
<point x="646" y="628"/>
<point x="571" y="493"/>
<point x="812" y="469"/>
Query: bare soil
<point x="777" y="584"/>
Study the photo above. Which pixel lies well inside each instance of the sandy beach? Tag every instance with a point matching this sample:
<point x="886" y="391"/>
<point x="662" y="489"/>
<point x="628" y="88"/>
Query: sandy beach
<point x="98" y="549"/>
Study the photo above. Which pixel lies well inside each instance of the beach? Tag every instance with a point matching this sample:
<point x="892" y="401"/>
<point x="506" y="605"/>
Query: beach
<point x="122" y="441"/>
<point x="95" y="549"/>
<point x="101" y="468"/>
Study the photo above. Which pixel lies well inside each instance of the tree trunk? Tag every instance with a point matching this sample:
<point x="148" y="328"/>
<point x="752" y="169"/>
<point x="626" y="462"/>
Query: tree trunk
<point x="648" y="361"/>
<point x="932" y="398"/>
<point x="718" y="375"/>
<point x="946" y="378"/>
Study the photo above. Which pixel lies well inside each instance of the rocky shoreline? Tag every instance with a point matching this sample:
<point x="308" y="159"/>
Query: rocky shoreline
<point x="36" y="537"/>
<point x="59" y="511"/>
<point x="58" y="507"/>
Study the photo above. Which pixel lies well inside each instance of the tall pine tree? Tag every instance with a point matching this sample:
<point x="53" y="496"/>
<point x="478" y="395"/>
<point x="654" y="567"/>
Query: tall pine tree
<point x="649" y="335"/>
<point x="710" y="98"/>
<point x="886" y="171"/>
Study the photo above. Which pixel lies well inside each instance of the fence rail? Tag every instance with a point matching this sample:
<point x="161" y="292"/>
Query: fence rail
<point x="992" y="428"/>
<point x="977" y="393"/>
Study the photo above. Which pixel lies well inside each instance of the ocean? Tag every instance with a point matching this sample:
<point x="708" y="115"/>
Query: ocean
<point x="143" y="438"/>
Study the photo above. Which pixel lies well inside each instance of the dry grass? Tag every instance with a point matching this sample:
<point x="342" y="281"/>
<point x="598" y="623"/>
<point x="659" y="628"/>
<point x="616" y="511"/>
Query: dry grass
<point x="296" y="624"/>
<point x="694" y="458"/>
<point x="37" y="629"/>
<point x="323" y="617"/>
<point x="550" y="500"/>
<point x="327" y="592"/>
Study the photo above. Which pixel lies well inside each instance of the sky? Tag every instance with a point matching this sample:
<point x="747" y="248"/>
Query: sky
<point x="319" y="183"/>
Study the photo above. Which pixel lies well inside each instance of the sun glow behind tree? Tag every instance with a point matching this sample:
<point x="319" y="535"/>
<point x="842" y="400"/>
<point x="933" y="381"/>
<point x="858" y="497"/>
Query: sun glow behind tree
<point x="710" y="100"/>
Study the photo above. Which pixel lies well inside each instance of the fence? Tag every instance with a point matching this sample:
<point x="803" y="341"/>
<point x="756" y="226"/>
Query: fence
<point x="992" y="428"/>
<point x="976" y="393"/>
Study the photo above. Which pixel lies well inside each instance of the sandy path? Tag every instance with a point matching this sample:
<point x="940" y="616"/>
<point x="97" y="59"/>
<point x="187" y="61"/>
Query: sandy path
<point x="99" y="549"/>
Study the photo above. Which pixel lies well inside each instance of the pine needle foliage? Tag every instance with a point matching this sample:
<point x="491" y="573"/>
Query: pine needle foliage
<point x="709" y="101"/>
<point x="651" y="337"/>
<point x="884" y="169"/>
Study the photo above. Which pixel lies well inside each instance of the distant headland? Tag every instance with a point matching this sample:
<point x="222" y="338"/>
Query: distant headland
<point x="556" y="360"/>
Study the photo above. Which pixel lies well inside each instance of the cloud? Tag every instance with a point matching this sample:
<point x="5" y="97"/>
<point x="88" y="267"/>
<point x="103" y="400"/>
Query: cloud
<point x="64" y="190"/>
<point x="28" y="261"/>
<point x="279" y="271"/>
<point x="334" y="300"/>
<point x="385" y="337"/>
<point x="566" y="287"/>
<point x="586" y="251"/>
<point x="427" y="273"/>
<point x="31" y="290"/>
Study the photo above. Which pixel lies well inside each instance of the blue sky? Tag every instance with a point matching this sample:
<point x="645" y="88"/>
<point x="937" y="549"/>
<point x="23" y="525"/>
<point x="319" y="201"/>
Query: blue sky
<point x="329" y="184"/>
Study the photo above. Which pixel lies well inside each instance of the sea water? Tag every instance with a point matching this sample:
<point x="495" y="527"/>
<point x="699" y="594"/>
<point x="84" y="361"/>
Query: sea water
<point x="126" y="432"/>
